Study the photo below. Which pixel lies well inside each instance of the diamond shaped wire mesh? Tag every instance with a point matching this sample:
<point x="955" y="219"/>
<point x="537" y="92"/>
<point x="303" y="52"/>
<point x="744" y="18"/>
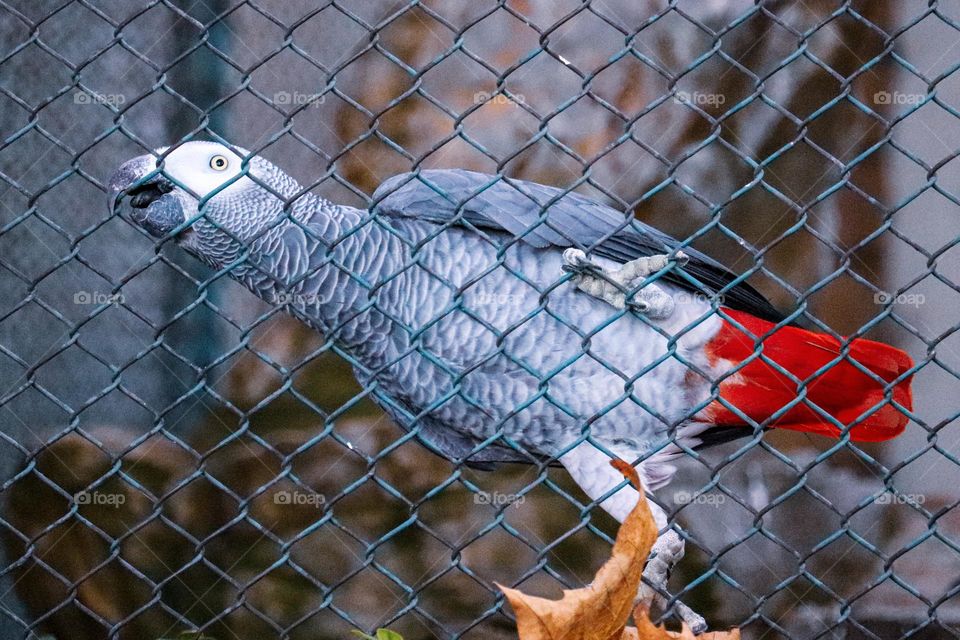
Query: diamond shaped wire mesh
<point x="179" y="455"/>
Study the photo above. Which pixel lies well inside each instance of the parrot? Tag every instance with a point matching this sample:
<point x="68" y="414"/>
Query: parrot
<point x="504" y="321"/>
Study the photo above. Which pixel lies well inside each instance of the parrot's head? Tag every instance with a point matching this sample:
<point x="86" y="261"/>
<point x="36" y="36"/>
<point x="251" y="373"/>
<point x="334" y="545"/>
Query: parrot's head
<point x="217" y="199"/>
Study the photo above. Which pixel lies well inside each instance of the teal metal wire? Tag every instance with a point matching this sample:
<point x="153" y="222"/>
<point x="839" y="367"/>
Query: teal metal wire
<point x="206" y="299"/>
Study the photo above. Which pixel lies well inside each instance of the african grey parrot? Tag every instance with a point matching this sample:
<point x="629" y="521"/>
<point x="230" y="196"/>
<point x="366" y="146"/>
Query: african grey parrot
<point x="505" y="321"/>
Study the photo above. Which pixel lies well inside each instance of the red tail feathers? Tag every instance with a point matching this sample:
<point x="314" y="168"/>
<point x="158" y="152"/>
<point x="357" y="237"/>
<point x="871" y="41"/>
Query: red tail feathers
<point x="843" y="391"/>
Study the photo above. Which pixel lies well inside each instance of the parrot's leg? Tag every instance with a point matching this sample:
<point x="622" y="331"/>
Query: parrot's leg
<point x="613" y="286"/>
<point x="666" y="553"/>
<point x="590" y="468"/>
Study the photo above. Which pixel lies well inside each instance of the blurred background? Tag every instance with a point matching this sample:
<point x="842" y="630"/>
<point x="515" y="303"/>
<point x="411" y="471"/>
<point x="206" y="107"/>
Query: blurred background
<point x="177" y="455"/>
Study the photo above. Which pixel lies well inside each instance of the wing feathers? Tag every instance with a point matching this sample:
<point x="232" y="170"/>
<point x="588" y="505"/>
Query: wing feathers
<point x="546" y="216"/>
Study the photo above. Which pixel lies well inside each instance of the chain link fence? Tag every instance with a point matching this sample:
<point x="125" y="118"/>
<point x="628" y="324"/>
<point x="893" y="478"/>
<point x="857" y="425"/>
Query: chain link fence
<point x="178" y="455"/>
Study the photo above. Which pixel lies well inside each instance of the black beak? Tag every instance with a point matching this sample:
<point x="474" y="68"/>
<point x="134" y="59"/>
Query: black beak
<point x="153" y="208"/>
<point x="141" y="196"/>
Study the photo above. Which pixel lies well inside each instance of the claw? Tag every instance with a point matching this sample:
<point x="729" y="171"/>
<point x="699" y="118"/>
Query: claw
<point x="576" y="261"/>
<point x="648" y="596"/>
<point x="613" y="287"/>
<point x="665" y="554"/>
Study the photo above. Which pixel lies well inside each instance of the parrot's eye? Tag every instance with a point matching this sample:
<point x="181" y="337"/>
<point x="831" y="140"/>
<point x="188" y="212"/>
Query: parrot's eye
<point x="219" y="163"/>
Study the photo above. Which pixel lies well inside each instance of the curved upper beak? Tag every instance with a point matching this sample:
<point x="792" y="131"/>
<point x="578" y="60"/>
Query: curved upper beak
<point x="130" y="172"/>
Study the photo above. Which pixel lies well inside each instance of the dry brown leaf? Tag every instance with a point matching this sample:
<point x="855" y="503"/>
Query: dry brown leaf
<point x="601" y="610"/>
<point x="646" y="630"/>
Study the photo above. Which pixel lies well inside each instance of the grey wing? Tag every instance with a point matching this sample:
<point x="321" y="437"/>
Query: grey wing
<point x="547" y="216"/>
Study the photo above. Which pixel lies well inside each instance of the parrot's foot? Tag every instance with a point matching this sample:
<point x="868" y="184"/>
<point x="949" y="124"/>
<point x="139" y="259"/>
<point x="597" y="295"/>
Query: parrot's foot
<point x="590" y="468"/>
<point x="614" y="286"/>
<point x="666" y="552"/>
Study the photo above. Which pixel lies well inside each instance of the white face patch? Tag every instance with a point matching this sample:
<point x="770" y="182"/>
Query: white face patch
<point x="205" y="167"/>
